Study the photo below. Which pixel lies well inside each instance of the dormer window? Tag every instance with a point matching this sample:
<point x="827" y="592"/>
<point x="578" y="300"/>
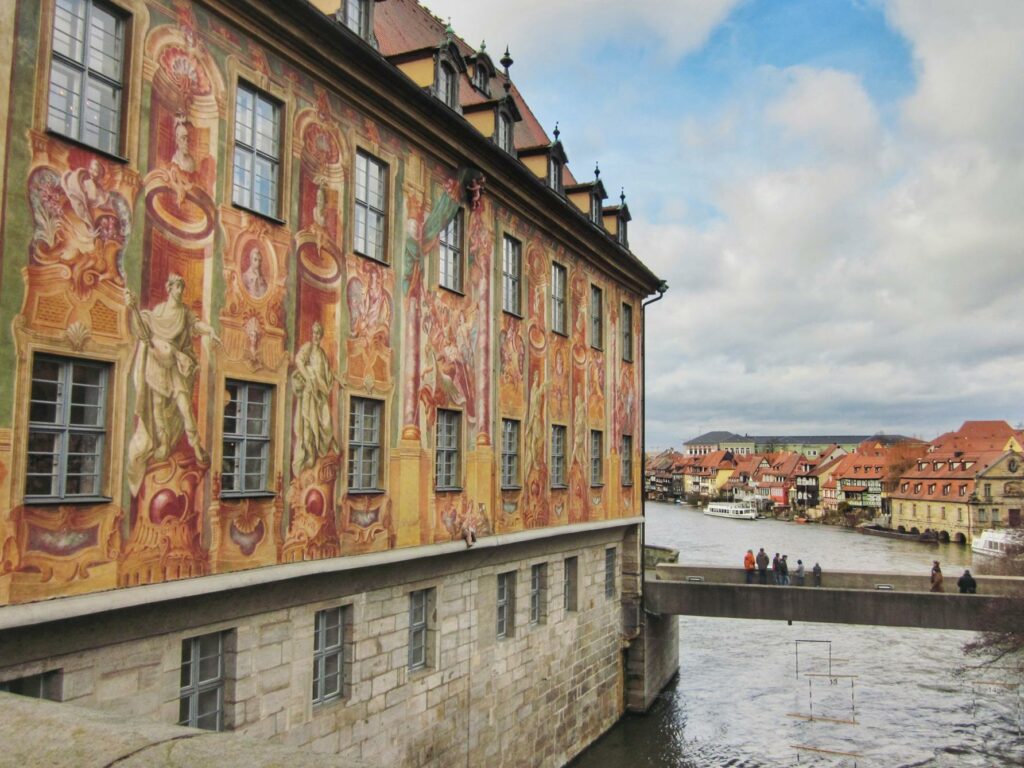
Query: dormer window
<point x="482" y="79"/>
<point x="621" y="235"/>
<point x="355" y="14"/>
<point x="555" y="174"/>
<point x="447" y="86"/>
<point x="503" y="135"/>
<point x="595" y="210"/>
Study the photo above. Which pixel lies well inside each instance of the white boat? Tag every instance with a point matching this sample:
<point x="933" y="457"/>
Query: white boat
<point x="737" y="510"/>
<point x="999" y="542"/>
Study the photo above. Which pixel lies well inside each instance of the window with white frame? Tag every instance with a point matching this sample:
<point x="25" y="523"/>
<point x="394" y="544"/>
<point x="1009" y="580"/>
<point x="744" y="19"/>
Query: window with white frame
<point x="596" y="457"/>
<point x="555" y="174"/>
<point x="450" y="247"/>
<point x="558" y="456"/>
<point x="559" y="306"/>
<point x="371" y="206"/>
<point x="511" y="275"/>
<point x="626" y="456"/>
<point x="482" y="79"/>
<point x="446" y="460"/>
<point x="447" y="86"/>
<point x="331" y="653"/>
<point x="570" y="584"/>
<point x="538" y="592"/>
<point x="509" y="453"/>
<point x="356" y="16"/>
<point x="506" y="613"/>
<point x="621" y="234"/>
<point x="201" y="695"/>
<point x="67" y="429"/>
<point x="364" y="444"/>
<point x="504" y="133"/>
<point x="596" y="317"/>
<point x="245" y="468"/>
<point x="595" y="210"/>
<point x="609" y="572"/>
<point x="87" y="73"/>
<point x="627" y="332"/>
<point x="421" y="613"/>
<point x="257" y="161"/>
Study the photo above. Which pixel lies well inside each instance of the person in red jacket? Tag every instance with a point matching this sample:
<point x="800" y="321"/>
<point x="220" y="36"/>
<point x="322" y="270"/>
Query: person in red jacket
<point x="749" y="565"/>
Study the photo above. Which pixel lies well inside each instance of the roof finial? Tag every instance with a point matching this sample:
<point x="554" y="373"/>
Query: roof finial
<point x="506" y="62"/>
<point x="556" y="131"/>
<point x="597" y="171"/>
<point x="449" y="31"/>
<point x="483" y="46"/>
<point x="622" y="195"/>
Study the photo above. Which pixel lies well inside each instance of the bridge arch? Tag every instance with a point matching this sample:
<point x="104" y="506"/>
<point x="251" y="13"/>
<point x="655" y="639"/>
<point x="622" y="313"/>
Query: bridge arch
<point x="960" y="538"/>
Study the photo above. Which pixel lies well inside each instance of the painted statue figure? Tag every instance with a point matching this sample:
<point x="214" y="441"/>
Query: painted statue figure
<point x="253" y="280"/>
<point x="163" y="375"/>
<point x="312" y="380"/>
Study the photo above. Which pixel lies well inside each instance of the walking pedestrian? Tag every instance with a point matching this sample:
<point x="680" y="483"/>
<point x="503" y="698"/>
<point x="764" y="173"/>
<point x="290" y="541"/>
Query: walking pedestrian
<point x="748" y="565"/>
<point x="936" y="577"/>
<point x="798" y="574"/>
<point x="762" y="566"/>
<point x="784" y="568"/>
<point x="776" y="573"/>
<point x="967" y="584"/>
<point x="816" y="571"/>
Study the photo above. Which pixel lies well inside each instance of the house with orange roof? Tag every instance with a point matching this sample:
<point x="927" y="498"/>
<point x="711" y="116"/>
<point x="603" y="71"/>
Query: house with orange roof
<point x="966" y="481"/>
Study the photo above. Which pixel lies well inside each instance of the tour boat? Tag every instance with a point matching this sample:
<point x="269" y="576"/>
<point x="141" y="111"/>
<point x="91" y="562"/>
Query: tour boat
<point x="737" y="510"/>
<point x="999" y="542"/>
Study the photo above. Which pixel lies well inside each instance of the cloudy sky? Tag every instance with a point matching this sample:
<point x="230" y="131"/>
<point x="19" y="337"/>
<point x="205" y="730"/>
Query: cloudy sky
<point x="834" y="190"/>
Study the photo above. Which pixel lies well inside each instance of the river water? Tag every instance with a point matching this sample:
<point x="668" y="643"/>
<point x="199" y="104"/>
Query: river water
<point x="892" y="697"/>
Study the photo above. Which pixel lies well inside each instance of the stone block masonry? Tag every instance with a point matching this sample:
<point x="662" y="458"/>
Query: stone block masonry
<point x="537" y="696"/>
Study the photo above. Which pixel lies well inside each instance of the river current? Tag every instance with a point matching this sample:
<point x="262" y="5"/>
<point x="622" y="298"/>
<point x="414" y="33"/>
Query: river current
<point x="881" y="696"/>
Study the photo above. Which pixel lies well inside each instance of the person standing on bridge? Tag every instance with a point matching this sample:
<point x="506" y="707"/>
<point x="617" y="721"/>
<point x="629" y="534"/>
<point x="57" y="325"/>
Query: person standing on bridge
<point x="776" y="573"/>
<point x="748" y="565"/>
<point x="798" y="574"/>
<point x="967" y="584"/>
<point x="816" y="572"/>
<point x="762" y="566"/>
<point x="936" y="577"/>
<point x="784" y="571"/>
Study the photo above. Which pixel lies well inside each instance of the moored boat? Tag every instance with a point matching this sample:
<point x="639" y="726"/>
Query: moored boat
<point x="999" y="542"/>
<point x="928" y="537"/>
<point x="736" y="510"/>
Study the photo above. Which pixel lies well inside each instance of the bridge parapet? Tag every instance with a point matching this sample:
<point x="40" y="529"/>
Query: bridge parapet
<point x="1012" y="586"/>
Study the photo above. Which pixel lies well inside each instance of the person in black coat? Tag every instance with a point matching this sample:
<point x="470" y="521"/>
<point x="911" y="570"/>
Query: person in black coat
<point x="967" y="584"/>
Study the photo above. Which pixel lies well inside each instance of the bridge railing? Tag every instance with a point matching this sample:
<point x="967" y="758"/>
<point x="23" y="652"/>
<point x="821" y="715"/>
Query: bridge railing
<point x="897" y="582"/>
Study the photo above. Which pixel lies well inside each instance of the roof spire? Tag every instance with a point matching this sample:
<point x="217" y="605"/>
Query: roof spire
<point x="622" y="195"/>
<point x="597" y="171"/>
<point x="506" y="62"/>
<point x="556" y="131"/>
<point x="483" y="46"/>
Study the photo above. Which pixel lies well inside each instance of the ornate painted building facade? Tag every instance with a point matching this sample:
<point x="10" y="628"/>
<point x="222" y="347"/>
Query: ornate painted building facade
<point x="285" y="284"/>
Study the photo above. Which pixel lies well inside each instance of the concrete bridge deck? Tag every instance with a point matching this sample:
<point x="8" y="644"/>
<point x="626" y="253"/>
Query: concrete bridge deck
<point x="881" y="599"/>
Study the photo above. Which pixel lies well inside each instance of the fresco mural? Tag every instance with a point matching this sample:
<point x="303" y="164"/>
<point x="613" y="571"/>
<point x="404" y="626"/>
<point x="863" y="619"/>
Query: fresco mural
<point x="148" y="267"/>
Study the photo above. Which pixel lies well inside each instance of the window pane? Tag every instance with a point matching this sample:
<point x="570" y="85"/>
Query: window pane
<point x="69" y="29"/>
<point x="65" y="106"/>
<point x="244" y="115"/>
<point x="105" y="43"/>
<point x="102" y="115"/>
<point x="242" y="176"/>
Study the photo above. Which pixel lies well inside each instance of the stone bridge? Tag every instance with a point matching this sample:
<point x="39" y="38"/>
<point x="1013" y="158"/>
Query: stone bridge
<point x="849" y="597"/>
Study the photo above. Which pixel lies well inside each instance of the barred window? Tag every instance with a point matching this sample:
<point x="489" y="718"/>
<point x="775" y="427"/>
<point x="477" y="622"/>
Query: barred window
<point x="257" y="162"/>
<point x="570" y="584"/>
<point x="245" y="467"/>
<point x="596" y="318"/>
<point x="332" y="656"/>
<point x="67" y="429"/>
<point x="509" y="453"/>
<point x="559" y="316"/>
<point x="626" y="455"/>
<point x="627" y="333"/>
<point x="87" y="73"/>
<point x="364" y="444"/>
<point x="421" y="609"/>
<point x="511" y="275"/>
<point x="201" y="696"/>
<point x="596" y="457"/>
<point x="609" y="572"/>
<point x="506" y="604"/>
<point x="371" y="206"/>
<point x="558" y="456"/>
<point x="538" y="592"/>
<point x="450" y="245"/>
<point x="446" y="467"/>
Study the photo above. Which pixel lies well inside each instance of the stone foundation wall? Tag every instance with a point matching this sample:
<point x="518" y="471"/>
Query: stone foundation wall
<point x="537" y="697"/>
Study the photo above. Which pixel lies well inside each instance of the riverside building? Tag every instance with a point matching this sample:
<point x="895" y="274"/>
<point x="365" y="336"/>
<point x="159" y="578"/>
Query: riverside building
<point x="320" y="388"/>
